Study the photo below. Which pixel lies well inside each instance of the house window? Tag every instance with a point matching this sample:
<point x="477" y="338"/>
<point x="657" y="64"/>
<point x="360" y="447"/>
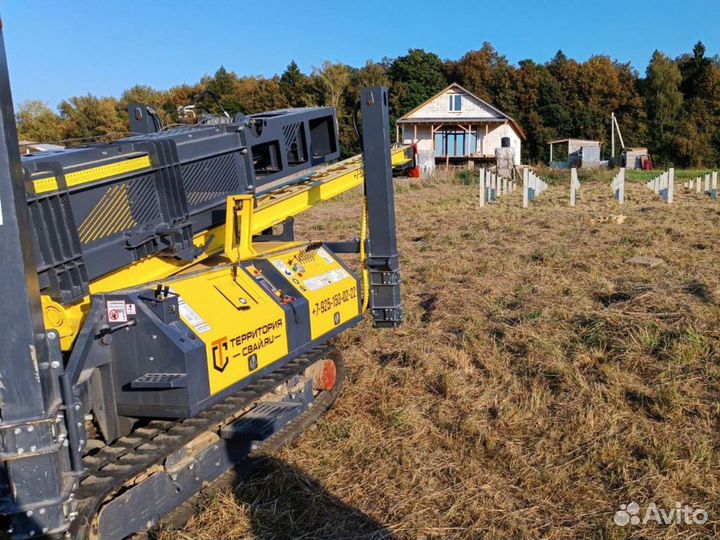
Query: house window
<point x="455" y="143"/>
<point x="455" y="102"/>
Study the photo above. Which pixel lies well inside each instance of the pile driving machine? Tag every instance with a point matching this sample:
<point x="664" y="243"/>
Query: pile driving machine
<point x="160" y="323"/>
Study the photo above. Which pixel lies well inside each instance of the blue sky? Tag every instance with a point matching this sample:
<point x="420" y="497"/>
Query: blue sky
<point x="57" y="49"/>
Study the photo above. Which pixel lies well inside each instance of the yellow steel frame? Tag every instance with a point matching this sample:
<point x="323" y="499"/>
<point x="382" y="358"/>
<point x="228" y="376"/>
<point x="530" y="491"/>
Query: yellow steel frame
<point x="270" y="209"/>
<point x="238" y="226"/>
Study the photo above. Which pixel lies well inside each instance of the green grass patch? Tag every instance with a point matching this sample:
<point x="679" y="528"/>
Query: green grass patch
<point x="680" y="174"/>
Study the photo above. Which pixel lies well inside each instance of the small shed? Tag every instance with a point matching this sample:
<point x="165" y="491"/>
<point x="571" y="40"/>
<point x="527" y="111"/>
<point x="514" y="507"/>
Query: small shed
<point x="579" y="153"/>
<point x="635" y="158"/>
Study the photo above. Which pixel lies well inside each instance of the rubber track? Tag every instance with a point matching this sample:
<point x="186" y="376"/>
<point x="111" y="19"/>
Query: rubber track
<point x="322" y="403"/>
<point x="109" y="469"/>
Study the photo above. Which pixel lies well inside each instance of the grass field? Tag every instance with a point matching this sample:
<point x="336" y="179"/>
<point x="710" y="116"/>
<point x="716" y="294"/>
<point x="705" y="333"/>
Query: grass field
<point x="539" y="381"/>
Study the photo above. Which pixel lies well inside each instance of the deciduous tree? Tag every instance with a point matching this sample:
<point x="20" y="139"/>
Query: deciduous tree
<point x="36" y="122"/>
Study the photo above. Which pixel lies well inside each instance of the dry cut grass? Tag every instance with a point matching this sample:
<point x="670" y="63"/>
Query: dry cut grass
<point x="538" y="383"/>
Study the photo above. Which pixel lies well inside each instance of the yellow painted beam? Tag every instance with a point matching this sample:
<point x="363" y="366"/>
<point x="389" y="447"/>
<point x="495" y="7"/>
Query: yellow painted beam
<point x="342" y="177"/>
<point x="271" y="208"/>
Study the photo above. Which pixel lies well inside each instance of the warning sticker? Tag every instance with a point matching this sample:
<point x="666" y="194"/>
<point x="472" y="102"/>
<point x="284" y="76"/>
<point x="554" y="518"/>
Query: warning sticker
<point x="282" y="267"/>
<point x="190" y="316"/>
<point x="324" y="280"/>
<point x="130" y="309"/>
<point x="116" y="311"/>
<point x="325" y="256"/>
<point x="314" y="284"/>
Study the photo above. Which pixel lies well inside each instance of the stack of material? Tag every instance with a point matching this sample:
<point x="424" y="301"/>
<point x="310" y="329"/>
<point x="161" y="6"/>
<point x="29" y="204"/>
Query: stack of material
<point x="505" y="160"/>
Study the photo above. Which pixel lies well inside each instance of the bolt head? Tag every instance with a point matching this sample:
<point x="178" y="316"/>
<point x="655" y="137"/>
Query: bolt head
<point x="31" y="429"/>
<point x="29" y="513"/>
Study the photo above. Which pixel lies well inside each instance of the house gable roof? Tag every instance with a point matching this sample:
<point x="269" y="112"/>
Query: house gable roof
<point x="495" y="114"/>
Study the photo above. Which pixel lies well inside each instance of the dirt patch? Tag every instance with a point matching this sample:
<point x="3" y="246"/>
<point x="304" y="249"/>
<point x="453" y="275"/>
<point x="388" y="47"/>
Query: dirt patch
<point x="428" y="303"/>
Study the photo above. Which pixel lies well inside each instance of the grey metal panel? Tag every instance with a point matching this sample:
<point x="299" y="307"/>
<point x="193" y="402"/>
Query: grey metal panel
<point x="590" y="155"/>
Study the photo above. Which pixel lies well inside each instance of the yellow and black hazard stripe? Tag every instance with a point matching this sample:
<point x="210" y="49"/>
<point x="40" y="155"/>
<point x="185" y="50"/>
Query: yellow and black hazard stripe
<point x="94" y="174"/>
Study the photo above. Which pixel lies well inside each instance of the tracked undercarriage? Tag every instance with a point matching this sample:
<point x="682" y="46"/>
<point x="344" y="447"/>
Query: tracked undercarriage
<point x="166" y="462"/>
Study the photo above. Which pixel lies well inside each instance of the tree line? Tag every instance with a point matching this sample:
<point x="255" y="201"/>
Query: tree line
<point x="674" y="109"/>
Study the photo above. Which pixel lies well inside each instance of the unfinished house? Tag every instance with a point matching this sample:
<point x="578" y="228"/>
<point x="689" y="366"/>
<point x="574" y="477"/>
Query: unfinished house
<point x="457" y="128"/>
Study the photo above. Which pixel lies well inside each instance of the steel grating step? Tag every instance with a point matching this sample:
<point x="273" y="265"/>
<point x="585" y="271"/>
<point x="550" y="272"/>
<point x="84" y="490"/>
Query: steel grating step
<point x="160" y="380"/>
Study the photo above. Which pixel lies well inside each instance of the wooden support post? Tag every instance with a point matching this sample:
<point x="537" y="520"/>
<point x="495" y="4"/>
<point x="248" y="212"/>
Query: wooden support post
<point x="526" y="181"/>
